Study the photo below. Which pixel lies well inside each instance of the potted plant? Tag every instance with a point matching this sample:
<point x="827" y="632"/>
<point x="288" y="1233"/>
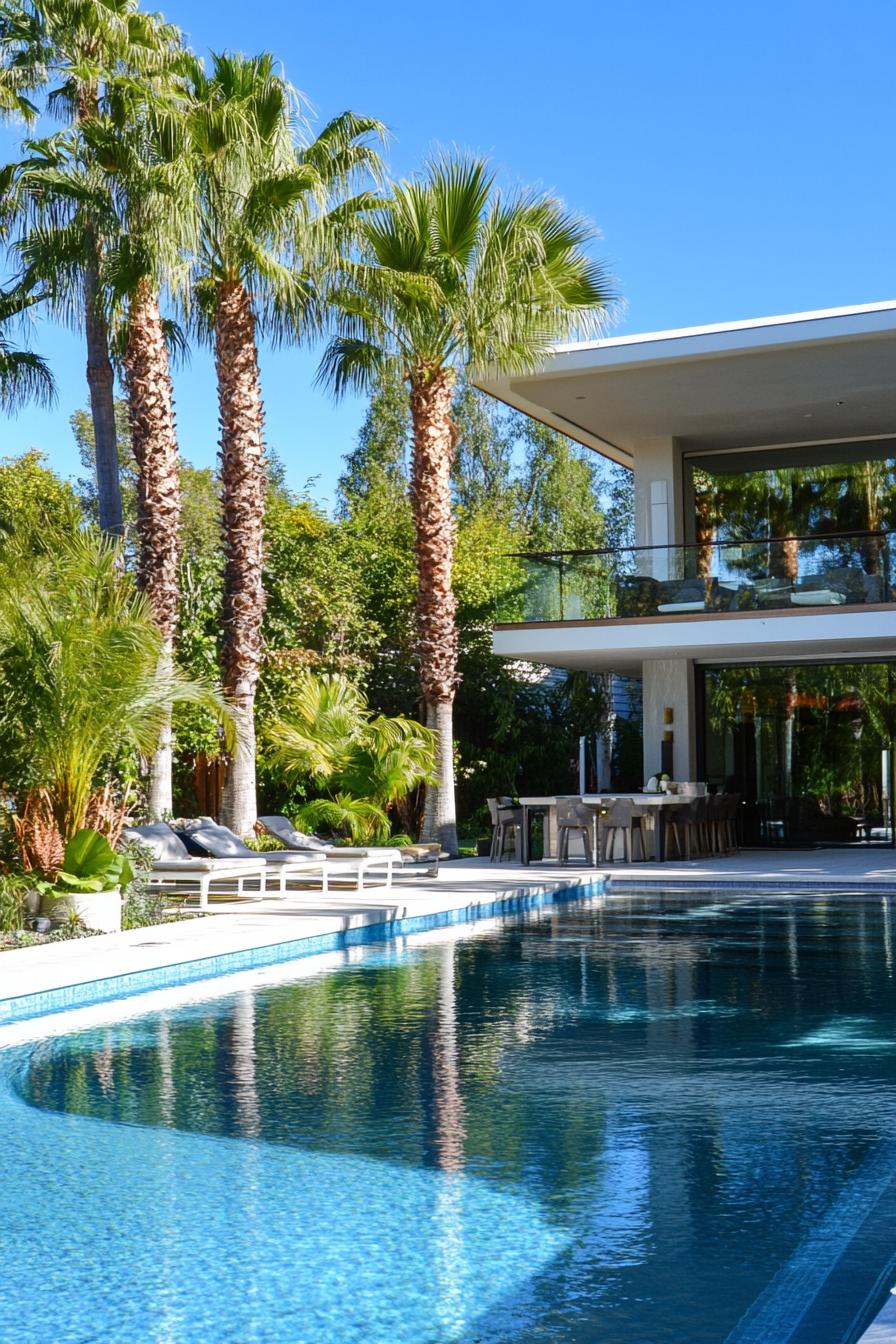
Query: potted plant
<point x="88" y="885"/>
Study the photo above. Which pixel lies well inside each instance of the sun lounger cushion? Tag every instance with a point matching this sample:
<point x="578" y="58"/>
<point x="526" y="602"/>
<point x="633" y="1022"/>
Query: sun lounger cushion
<point x="420" y="853"/>
<point x="159" y="838"/>
<point x="282" y="829"/>
<point x="204" y="836"/>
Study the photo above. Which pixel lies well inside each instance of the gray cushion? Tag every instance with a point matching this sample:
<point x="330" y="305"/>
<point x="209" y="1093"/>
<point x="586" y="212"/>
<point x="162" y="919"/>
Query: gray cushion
<point x="206" y="837"/>
<point x="283" y="830"/>
<point x="159" y="838"/>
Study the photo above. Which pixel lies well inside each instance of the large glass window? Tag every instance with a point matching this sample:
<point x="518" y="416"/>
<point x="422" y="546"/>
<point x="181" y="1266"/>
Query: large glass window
<point x="746" y="496"/>
<point x="808" y="746"/>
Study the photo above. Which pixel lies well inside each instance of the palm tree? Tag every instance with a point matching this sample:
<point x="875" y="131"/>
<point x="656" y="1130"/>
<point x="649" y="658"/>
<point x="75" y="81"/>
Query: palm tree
<point x="76" y="49"/>
<point x="453" y="276"/>
<point x="80" y="678"/>
<point x="271" y="215"/>
<point x="126" y="172"/>
<point x="24" y="376"/>
<point x="144" y="155"/>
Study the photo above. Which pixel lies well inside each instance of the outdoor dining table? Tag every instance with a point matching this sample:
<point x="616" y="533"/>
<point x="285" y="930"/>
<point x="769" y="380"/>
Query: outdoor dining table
<point x="548" y="807"/>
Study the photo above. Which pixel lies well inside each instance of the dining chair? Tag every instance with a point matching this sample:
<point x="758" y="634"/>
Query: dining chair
<point x="574" y="815"/>
<point x="507" y="826"/>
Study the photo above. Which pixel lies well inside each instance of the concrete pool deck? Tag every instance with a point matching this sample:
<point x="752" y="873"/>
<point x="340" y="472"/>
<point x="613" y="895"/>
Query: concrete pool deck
<point x="463" y="888"/>
<point x="234" y="933"/>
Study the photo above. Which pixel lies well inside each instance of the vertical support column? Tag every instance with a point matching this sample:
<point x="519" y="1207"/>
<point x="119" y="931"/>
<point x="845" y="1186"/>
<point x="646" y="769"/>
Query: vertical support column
<point x="668" y="683"/>
<point x="659" y="513"/>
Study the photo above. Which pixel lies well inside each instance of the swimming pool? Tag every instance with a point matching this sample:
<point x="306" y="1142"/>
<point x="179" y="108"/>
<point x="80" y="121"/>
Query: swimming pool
<point x="613" y="1121"/>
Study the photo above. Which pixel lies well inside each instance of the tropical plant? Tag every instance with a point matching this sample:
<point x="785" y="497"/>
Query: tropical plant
<point x="81" y="54"/>
<point x="452" y="275"/>
<point x="24" y="376"/>
<point x="80" y="683"/>
<point x="89" y="864"/>
<point x="367" y="762"/>
<point x="273" y="217"/>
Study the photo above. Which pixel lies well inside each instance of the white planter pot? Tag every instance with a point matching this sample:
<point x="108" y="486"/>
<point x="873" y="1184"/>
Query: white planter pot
<point x="100" y="910"/>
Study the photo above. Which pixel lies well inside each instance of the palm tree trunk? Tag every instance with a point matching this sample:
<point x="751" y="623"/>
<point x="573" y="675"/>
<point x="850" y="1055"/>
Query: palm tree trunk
<point x="241" y="418"/>
<point x="154" y="441"/>
<point x="437" y="643"/>
<point x="100" y="378"/>
<point x="101" y="384"/>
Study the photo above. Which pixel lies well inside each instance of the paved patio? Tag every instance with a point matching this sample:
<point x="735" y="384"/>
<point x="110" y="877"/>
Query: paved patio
<point x="829" y="868"/>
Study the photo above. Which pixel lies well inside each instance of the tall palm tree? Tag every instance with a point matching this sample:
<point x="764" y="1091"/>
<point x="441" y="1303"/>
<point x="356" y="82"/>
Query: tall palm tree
<point x="24" y="376"/>
<point x="70" y="50"/>
<point x="144" y="153"/>
<point x="451" y="276"/>
<point x="126" y="171"/>
<point x="271" y="216"/>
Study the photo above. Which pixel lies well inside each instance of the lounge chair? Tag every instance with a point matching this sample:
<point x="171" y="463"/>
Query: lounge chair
<point x="177" y="873"/>
<point x="408" y="857"/>
<point x="205" y="837"/>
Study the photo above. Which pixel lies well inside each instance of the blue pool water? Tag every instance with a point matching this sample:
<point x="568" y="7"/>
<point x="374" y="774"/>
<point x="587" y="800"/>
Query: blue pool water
<point x="657" y="1120"/>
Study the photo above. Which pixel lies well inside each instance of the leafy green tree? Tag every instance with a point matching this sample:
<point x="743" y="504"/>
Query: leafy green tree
<point x="452" y="276"/>
<point x="484" y="474"/>
<point x="37" y="509"/>
<point x="560" y="506"/>
<point x="380" y="457"/>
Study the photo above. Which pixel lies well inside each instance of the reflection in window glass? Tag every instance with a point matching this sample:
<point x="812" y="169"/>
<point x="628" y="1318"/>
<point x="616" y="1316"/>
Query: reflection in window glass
<point x="808" y="746"/>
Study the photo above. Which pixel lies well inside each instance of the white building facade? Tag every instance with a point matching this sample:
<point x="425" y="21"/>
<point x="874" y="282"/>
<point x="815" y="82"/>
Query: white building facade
<point x="758" y="606"/>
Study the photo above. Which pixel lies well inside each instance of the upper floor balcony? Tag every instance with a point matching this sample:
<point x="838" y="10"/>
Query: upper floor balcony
<point x="843" y="570"/>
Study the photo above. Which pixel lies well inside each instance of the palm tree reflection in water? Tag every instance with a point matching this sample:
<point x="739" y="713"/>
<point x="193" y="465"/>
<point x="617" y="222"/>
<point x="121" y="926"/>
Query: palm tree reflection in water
<point x="450" y="1135"/>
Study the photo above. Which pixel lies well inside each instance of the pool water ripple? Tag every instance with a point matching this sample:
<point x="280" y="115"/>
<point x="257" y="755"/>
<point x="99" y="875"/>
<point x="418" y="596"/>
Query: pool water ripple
<point x="658" y="1120"/>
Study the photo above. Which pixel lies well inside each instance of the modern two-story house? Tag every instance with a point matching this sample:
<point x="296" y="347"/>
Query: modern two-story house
<point x="758" y="605"/>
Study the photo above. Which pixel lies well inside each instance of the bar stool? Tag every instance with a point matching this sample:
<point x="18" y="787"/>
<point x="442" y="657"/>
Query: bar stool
<point x="627" y="819"/>
<point x="644" y="827"/>
<point x="714" y="826"/>
<point x="507" y="825"/>
<point x="683" y="825"/>
<point x="574" y="815"/>
<point x="729" y="823"/>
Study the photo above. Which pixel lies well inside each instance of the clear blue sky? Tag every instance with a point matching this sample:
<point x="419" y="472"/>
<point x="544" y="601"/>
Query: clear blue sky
<point x="738" y="159"/>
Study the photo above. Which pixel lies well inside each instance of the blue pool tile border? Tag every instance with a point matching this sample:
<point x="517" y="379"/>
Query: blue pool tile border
<point x="90" y="992"/>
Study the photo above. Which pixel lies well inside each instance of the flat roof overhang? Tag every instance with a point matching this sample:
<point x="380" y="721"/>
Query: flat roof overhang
<point x="623" y="646"/>
<point x="802" y="377"/>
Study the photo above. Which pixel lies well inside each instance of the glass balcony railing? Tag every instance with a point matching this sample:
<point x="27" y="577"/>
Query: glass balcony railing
<point x="844" y="569"/>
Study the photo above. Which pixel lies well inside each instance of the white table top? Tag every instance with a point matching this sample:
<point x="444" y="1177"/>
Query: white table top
<point x="598" y="799"/>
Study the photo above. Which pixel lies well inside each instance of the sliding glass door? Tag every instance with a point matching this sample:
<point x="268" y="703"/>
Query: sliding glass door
<point x="808" y="746"/>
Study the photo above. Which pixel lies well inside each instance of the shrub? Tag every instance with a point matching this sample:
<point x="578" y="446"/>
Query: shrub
<point x="14" y="890"/>
<point x="141" y="907"/>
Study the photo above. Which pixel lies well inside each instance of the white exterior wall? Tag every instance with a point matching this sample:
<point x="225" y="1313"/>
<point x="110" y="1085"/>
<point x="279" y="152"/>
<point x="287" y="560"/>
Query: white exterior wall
<point x="669" y="684"/>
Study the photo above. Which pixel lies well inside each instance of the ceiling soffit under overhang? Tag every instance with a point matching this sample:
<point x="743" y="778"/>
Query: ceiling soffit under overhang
<point x="818" y="390"/>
